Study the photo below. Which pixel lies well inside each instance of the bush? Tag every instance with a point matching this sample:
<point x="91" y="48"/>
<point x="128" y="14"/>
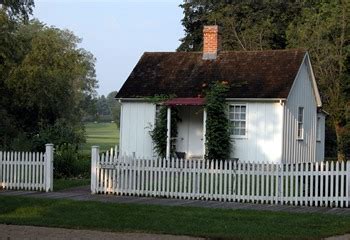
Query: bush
<point x="62" y="132"/>
<point x="68" y="163"/>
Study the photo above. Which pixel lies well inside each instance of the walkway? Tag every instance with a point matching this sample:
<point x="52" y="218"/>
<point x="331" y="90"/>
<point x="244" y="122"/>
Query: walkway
<point x="83" y="194"/>
<point x="31" y="232"/>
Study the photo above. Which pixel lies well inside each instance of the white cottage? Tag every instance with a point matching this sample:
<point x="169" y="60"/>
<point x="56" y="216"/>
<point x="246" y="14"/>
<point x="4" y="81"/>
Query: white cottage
<point x="273" y="102"/>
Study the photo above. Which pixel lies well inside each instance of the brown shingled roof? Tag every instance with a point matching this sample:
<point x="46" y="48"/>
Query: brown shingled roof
<point x="250" y="74"/>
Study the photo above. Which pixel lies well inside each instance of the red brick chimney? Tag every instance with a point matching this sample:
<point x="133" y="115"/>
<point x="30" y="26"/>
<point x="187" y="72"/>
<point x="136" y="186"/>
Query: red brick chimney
<point x="211" y="42"/>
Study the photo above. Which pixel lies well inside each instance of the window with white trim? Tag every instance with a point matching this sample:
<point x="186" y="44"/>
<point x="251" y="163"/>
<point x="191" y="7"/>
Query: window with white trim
<point x="238" y="117"/>
<point x="318" y="129"/>
<point x="300" y="127"/>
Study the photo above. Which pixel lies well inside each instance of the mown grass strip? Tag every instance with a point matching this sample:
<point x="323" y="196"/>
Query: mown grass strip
<point x="242" y="224"/>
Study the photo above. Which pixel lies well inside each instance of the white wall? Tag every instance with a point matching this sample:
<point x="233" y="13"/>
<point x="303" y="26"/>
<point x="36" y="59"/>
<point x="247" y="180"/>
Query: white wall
<point x="137" y="119"/>
<point x="321" y="142"/>
<point x="264" y="133"/>
<point x="301" y="95"/>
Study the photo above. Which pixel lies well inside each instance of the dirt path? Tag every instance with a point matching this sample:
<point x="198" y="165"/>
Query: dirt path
<point x="30" y="232"/>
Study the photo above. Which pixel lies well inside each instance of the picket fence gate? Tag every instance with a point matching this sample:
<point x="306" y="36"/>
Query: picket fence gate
<point x="27" y="170"/>
<point x="304" y="184"/>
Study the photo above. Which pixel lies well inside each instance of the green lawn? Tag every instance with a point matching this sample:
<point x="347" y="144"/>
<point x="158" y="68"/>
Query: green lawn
<point x="214" y="223"/>
<point x="105" y="135"/>
<point x="61" y="184"/>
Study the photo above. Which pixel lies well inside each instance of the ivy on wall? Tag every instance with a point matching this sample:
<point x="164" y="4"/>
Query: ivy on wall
<point x="159" y="131"/>
<point x="218" y="140"/>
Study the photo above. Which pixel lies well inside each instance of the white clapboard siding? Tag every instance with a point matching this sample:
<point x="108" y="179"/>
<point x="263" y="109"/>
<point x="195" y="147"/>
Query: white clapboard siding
<point x="321" y="184"/>
<point x="27" y="170"/>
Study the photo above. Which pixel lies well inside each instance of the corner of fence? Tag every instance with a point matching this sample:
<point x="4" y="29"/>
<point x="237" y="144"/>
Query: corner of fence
<point x="49" y="167"/>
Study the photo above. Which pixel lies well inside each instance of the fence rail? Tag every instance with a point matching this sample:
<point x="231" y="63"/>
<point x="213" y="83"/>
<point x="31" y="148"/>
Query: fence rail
<point x="27" y="170"/>
<point x="305" y="184"/>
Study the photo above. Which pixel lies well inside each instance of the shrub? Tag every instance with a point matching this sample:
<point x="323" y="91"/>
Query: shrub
<point x="69" y="163"/>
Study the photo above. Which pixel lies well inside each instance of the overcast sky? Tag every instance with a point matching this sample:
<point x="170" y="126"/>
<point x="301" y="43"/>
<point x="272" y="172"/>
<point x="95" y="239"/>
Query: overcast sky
<point x="117" y="32"/>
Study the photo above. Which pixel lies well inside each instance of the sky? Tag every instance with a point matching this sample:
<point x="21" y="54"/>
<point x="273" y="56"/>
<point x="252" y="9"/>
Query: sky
<point x="116" y="32"/>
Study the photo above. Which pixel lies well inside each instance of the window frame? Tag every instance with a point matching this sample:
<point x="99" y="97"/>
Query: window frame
<point x="245" y="120"/>
<point x="301" y="136"/>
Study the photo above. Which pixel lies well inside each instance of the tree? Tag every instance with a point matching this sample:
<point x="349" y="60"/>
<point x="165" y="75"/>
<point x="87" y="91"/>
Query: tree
<point x="324" y="30"/>
<point x="114" y="106"/>
<point x="17" y="9"/>
<point x="250" y="25"/>
<point x="45" y="79"/>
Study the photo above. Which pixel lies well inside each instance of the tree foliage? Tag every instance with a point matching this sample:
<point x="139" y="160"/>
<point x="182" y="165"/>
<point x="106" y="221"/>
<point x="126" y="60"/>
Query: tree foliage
<point x="325" y="31"/>
<point x="245" y="25"/>
<point x="102" y="108"/>
<point x="44" y="78"/>
<point x="218" y="140"/>
<point x="17" y="9"/>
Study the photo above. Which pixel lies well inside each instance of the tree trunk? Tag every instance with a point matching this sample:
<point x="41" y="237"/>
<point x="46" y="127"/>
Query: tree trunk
<point x="339" y="130"/>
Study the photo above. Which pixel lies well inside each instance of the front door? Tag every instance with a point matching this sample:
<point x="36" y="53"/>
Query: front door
<point x="190" y="131"/>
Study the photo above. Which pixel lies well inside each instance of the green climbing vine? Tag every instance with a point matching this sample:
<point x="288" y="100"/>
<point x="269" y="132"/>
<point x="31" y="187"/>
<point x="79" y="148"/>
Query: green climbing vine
<point x="218" y="140"/>
<point x="159" y="131"/>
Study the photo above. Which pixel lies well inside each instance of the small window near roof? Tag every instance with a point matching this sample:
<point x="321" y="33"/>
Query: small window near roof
<point x="318" y="129"/>
<point x="237" y="117"/>
<point x="300" y="129"/>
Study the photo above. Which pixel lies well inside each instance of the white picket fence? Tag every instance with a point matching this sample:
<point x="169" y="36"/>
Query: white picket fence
<point x="306" y="184"/>
<point x="27" y="170"/>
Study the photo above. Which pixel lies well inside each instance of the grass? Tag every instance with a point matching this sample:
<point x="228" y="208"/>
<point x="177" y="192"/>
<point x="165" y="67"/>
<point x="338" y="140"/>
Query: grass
<point x="105" y="135"/>
<point x="204" y="222"/>
<point x="62" y="184"/>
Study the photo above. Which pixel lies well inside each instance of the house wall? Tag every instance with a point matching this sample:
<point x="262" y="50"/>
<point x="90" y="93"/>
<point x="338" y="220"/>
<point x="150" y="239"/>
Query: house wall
<point x="190" y="131"/>
<point x="137" y="119"/>
<point x="301" y="95"/>
<point x="263" y="141"/>
<point x="321" y="141"/>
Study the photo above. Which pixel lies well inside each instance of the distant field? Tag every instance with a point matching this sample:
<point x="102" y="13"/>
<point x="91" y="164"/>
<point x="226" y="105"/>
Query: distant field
<point x="105" y="135"/>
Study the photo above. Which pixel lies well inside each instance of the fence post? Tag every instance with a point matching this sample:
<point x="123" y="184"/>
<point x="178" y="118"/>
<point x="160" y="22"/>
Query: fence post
<point x="94" y="158"/>
<point x="1" y="163"/>
<point x="347" y="200"/>
<point x="48" y="167"/>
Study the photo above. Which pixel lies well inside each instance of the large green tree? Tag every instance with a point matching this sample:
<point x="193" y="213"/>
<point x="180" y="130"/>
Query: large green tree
<point x="44" y="78"/>
<point x="245" y="25"/>
<point x="324" y="30"/>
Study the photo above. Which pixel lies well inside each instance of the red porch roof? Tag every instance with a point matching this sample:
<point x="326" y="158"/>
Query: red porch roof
<point x="185" y="101"/>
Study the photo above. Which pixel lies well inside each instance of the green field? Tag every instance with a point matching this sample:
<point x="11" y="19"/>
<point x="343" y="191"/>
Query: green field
<point x="105" y="135"/>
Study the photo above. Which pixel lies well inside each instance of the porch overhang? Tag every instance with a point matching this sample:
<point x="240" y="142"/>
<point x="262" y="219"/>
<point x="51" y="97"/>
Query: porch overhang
<point x="185" y="102"/>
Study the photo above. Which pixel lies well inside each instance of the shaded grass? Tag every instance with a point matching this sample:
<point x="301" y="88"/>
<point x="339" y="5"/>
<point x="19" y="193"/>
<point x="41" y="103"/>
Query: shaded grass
<point x="61" y="184"/>
<point x="242" y="224"/>
<point x="105" y="135"/>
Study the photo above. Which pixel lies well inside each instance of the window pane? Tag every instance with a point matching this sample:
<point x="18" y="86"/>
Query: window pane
<point x="300" y="114"/>
<point x="236" y="116"/>
<point x="242" y="132"/>
<point x="236" y="124"/>
<point x="237" y="108"/>
<point x="231" y="116"/>
<point x="243" y="109"/>
<point x="243" y="124"/>
<point x="243" y="116"/>
<point x="232" y="108"/>
<point x="236" y="131"/>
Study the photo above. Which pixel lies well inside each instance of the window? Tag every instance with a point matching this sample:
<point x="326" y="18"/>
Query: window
<point x="318" y="129"/>
<point x="238" y="116"/>
<point x="300" y="123"/>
